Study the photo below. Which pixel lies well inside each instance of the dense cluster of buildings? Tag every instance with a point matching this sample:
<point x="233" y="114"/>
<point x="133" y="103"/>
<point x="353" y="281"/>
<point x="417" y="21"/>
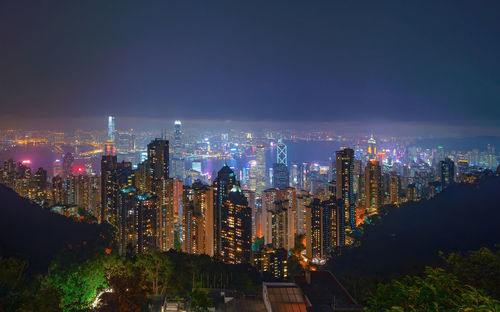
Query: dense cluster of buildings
<point x="247" y="214"/>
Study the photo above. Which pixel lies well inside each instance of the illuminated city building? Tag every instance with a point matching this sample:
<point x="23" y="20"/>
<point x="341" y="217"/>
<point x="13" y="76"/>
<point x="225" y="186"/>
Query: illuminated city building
<point x="373" y="187"/>
<point x="279" y="208"/>
<point x="198" y="220"/>
<point x="280" y="176"/>
<point x="127" y="211"/>
<point x="236" y="229"/>
<point x="40" y="186"/>
<point x="114" y="176"/>
<point x="260" y="172"/>
<point x="57" y="168"/>
<point x="165" y="214"/>
<point x="372" y="148"/>
<point x="57" y="191"/>
<point x="273" y="261"/>
<point x="344" y="184"/>
<point x="67" y="164"/>
<point x="256" y="218"/>
<point x="178" y="158"/>
<point x="325" y="228"/>
<point x="447" y="172"/>
<point x="251" y="182"/>
<point x="412" y="192"/>
<point x="178" y="200"/>
<point x="223" y="184"/>
<point x="395" y="188"/>
<point x="303" y="200"/>
<point x="111" y="128"/>
<point x="462" y="167"/>
<point x="281" y="153"/>
<point x="146" y="222"/>
<point x="158" y="158"/>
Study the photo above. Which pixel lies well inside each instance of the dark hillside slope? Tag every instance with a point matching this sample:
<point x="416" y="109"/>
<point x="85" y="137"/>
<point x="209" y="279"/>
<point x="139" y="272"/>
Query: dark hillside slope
<point x="463" y="217"/>
<point x="30" y="232"/>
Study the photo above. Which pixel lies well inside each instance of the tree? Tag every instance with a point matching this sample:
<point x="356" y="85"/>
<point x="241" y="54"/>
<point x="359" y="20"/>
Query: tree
<point x="200" y="301"/>
<point x="128" y="288"/>
<point x="19" y="292"/>
<point x="437" y="290"/>
<point x="481" y="269"/>
<point x="157" y="269"/>
<point x="78" y="284"/>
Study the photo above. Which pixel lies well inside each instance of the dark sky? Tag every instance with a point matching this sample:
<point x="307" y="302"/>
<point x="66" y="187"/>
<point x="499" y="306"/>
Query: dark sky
<point x="343" y="61"/>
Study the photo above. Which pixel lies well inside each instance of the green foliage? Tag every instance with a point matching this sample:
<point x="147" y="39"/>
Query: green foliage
<point x="157" y="269"/>
<point x="19" y="293"/>
<point x="78" y="284"/>
<point x="200" y="301"/>
<point x="437" y="290"/>
<point x="480" y="269"/>
<point x="128" y="285"/>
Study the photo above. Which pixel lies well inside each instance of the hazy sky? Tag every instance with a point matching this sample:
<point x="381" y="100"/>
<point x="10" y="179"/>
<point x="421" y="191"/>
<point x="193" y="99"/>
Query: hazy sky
<point x="423" y="62"/>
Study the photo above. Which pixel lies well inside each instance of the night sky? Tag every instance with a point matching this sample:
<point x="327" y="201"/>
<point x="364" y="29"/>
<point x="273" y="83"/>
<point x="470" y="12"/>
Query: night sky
<point x="311" y="61"/>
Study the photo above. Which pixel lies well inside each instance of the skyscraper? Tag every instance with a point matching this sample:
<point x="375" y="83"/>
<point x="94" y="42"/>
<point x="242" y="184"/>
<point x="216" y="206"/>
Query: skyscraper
<point x="223" y="184"/>
<point x="111" y="128"/>
<point x="281" y="177"/>
<point x="198" y="220"/>
<point x="146" y="222"/>
<point x="280" y="210"/>
<point x="372" y="148"/>
<point x="178" y="158"/>
<point x="67" y="164"/>
<point x="344" y="184"/>
<point x="158" y="159"/>
<point x="373" y="187"/>
<point x="281" y="153"/>
<point x="447" y="172"/>
<point x="395" y="188"/>
<point x="260" y="157"/>
<point x="114" y="176"/>
<point x="325" y="228"/>
<point x="236" y="231"/>
<point x="57" y="168"/>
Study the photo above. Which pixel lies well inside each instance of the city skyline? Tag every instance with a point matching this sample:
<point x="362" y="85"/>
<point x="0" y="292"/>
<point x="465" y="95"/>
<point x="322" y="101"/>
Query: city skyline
<point x="249" y="156"/>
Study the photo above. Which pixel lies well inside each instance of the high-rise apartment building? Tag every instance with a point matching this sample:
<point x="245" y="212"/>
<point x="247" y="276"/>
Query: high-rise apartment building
<point x="344" y="184"/>
<point x="198" y="219"/>
<point x="325" y="228"/>
<point x="236" y="230"/>
<point x="158" y="158"/>
<point x="373" y="187"/>
<point x="447" y="172"/>
<point x="223" y="184"/>
<point x="395" y="188"/>
<point x="280" y="211"/>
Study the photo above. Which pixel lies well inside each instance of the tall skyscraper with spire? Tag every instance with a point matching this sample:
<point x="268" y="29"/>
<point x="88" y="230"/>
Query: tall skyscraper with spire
<point x="111" y="128"/>
<point x="178" y="158"/>
<point x="281" y="153"/>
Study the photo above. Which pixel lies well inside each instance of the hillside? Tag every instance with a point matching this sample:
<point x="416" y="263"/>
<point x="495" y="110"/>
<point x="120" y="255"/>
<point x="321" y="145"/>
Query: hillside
<point x="35" y="234"/>
<point x="463" y="217"/>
